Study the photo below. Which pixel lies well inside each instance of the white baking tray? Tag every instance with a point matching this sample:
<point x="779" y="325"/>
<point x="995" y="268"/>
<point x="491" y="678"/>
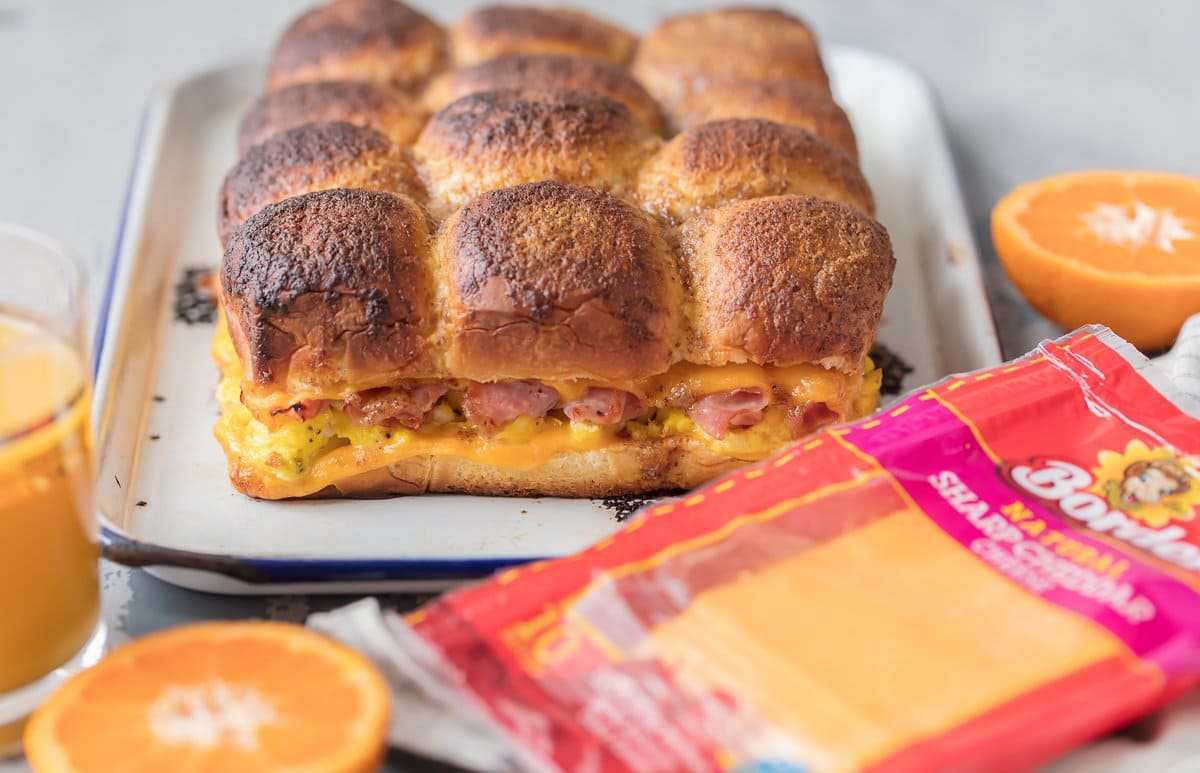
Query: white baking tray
<point x="163" y="495"/>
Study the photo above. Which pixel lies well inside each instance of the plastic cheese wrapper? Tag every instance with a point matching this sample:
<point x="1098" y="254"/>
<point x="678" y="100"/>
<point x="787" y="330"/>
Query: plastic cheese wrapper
<point x="983" y="575"/>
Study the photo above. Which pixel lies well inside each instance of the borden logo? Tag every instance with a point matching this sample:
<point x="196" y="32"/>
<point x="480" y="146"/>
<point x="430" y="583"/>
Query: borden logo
<point x="1118" y="501"/>
<point x="1152" y="485"/>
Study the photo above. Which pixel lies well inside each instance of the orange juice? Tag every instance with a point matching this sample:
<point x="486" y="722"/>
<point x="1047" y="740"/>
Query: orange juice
<point x="49" y="584"/>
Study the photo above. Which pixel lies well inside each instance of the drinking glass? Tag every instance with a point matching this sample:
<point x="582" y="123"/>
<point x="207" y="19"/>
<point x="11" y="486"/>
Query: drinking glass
<point x="50" y="622"/>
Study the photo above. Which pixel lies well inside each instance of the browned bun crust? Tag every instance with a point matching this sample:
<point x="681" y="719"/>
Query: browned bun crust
<point x="383" y="41"/>
<point x="786" y="280"/>
<point x="517" y="71"/>
<point x="722" y="161"/>
<point x="497" y="139"/>
<point x="330" y="288"/>
<point x="314" y="157"/>
<point x="363" y="104"/>
<point x="496" y="30"/>
<point x="625" y="467"/>
<point x="798" y="104"/>
<point x="544" y="266"/>
<point x="553" y="281"/>
<point x="687" y="53"/>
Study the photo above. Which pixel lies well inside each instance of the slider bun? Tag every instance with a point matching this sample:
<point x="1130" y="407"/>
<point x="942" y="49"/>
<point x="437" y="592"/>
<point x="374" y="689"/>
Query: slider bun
<point x="786" y="280"/>
<point x="688" y="53"/>
<point x="383" y="41"/>
<point x="798" y="104"/>
<point x="723" y="161"/>
<point x="554" y="281"/>
<point x="330" y="288"/>
<point x="363" y="104"/>
<point x="496" y="139"/>
<point x="546" y="71"/>
<point x="496" y="30"/>
<point x="625" y="467"/>
<point x="314" y="157"/>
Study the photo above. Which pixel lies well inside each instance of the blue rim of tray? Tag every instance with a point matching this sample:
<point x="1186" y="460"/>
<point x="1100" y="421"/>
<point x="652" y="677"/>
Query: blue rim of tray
<point x="125" y="550"/>
<point x="256" y="570"/>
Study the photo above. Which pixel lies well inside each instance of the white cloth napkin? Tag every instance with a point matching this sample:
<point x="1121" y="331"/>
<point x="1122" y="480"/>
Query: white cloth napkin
<point x="429" y="717"/>
<point x="1184" y="359"/>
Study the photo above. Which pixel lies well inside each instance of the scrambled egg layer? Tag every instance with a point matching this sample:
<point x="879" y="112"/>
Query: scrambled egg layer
<point x="311" y="454"/>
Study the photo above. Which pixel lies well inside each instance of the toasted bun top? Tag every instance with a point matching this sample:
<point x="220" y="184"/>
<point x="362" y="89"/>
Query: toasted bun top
<point x="331" y="287"/>
<point x="313" y="157"/>
<point x="363" y="104"/>
<point x="722" y="161"/>
<point x="496" y="30"/>
<point x="374" y="40"/>
<point x="538" y="225"/>
<point x="782" y="101"/>
<point x="786" y="280"/>
<point x="555" y="281"/>
<point x="496" y="139"/>
<point x="517" y="71"/>
<point x="687" y="53"/>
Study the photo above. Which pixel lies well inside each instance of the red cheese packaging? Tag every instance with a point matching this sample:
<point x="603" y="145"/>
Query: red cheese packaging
<point x="983" y="575"/>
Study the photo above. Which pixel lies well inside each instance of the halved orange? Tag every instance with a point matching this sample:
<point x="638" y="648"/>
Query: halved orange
<point x="230" y="696"/>
<point x="1121" y="248"/>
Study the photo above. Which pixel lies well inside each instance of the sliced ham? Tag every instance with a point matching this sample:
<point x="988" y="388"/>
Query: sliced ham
<point x="493" y="404"/>
<point x="393" y="407"/>
<point x="600" y="405"/>
<point x="303" y="410"/>
<point x="807" y="418"/>
<point x="717" y="413"/>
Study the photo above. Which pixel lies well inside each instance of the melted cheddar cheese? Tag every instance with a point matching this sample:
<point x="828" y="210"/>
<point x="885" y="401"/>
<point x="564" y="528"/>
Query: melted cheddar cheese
<point x="303" y="457"/>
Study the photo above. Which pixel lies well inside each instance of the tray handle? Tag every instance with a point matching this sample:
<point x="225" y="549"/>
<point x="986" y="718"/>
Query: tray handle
<point x="120" y="549"/>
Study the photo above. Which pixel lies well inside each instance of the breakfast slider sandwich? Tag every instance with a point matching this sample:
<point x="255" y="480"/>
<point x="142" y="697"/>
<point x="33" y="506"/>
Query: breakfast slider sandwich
<point x="374" y="106"/>
<point x="376" y="41"/>
<point x="493" y="31"/>
<point x="312" y="157"/>
<point x="549" y="340"/>
<point x="469" y="260"/>
<point x="686" y="54"/>
<point x="522" y="71"/>
<point x="782" y="101"/>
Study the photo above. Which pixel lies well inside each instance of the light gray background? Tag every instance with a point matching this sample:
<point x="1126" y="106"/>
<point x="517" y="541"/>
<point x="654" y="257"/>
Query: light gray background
<point x="1026" y="88"/>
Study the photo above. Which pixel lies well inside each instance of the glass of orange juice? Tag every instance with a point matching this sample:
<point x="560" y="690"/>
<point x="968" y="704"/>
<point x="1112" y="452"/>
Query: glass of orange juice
<point x="50" y="622"/>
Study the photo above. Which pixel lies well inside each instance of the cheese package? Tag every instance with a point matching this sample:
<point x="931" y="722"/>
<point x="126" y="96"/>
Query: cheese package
<point x="989" y="572"/>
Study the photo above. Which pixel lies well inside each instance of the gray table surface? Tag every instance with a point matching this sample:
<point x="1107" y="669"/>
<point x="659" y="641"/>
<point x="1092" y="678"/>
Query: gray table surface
<point x="1026" y="89"/>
